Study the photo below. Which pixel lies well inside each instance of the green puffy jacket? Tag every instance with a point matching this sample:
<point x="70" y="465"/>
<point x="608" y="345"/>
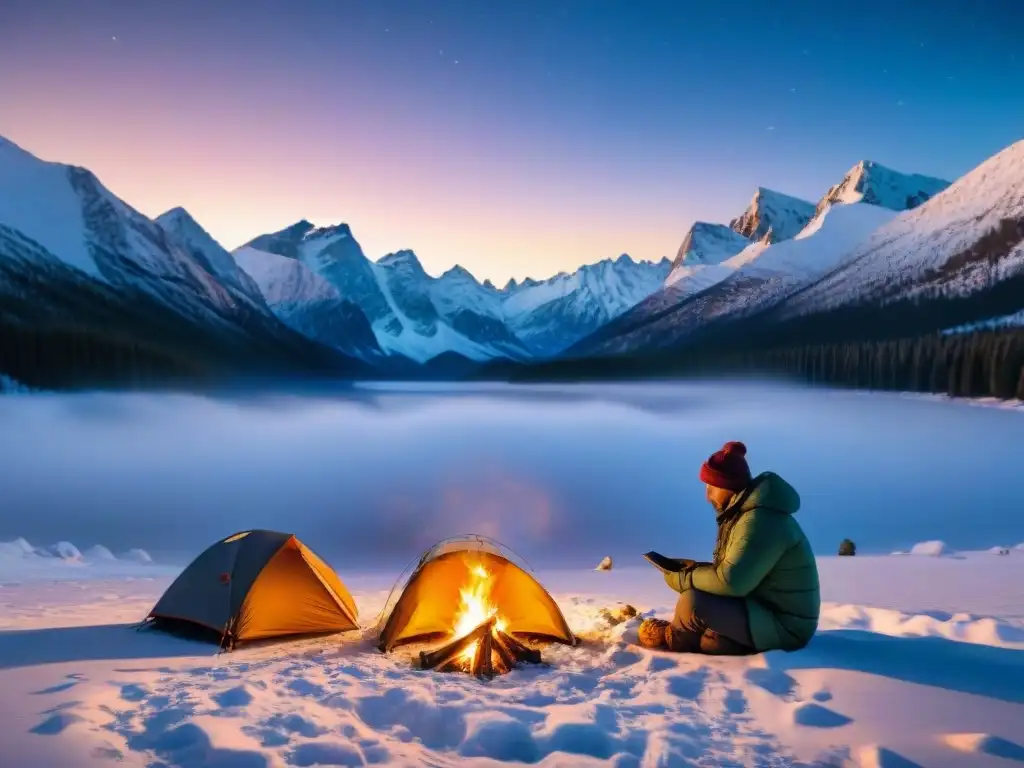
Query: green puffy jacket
<point x="764" y="556"/>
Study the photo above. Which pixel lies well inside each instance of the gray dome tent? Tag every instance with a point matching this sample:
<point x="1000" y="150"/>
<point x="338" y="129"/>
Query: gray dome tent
<point x="254" y="585"/>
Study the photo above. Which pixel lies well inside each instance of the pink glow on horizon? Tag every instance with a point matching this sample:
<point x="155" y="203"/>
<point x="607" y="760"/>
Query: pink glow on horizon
<point x="452" y="197"/>
<point x="240" y="186"/>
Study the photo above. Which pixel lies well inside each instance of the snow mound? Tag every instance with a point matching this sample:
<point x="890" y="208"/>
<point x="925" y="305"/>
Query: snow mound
<point x="136" y="555"/>
<point x="17" y="548"/>
<point x="999" y="551"/>
<point x="65" y="550"/>
<point x="961" y="627"/>
<point x="930" y="548"/>
<point x="98" y="553"/>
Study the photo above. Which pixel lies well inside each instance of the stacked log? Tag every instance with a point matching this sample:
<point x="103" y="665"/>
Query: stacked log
<point x="496" y="652"/>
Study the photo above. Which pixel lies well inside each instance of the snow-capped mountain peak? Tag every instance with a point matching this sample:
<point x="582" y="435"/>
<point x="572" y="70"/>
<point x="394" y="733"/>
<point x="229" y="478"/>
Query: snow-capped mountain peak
<point x="180" y="224"/>
<point x="962" y="239"/>
<point x="301" y="236"/>
<point x="404" y="260"/>
<point x="461" y="274"/>
<point x="873" y="183"/>
<point x="554" y="314"/>
<point x="705" y="245"/>
<point x="772" y="214"/>
<point x="308" y="303"/>
<point x="333" y="230"/>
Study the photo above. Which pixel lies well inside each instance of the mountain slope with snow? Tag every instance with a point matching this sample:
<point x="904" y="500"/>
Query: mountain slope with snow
<point x="707" y="256"/>
<point x="554" y="314"/>
<point x="705" y="244"/>
<point x="769" y="270"/>
<point x="407" y="308"/>
<point x="869" y="182"/>
<point x="420" y="316"/>
<point x="309" y="304"/>
<point x="967" y="238"/>
<point x="73" y="255"/>
<point x="757" y="277"/>
<point x="208" y="252"/>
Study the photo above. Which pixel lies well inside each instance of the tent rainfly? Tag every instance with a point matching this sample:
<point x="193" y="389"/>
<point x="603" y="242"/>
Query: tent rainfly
<point x="459" y="584"/>
<point x="255" y="585"/>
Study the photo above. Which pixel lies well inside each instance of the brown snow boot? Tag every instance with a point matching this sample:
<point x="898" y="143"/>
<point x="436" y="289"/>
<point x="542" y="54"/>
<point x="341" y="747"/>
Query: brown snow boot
<point x="651" y="633"/>
<point x="680" y="640"/>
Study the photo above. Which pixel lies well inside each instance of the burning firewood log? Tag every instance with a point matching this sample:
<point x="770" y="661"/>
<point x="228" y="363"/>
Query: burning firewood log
<point x="494" y="652"/>
<point x="506" y="659"/>
<point x="483" y="665"/>
<point x="517" y="649"/>
<point x="440" y="657"/>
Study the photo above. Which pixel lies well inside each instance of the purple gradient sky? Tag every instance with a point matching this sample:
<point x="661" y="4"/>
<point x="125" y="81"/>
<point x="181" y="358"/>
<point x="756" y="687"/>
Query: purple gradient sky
<point x="568" y="131"/>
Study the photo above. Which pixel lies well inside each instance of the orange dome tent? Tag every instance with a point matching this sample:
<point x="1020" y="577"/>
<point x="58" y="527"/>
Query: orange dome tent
<point x="255" y="585"/>
<point x="462" y="582"/>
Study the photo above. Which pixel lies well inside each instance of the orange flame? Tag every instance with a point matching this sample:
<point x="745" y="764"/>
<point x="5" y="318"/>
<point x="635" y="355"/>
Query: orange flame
<point x="476" y="608"/>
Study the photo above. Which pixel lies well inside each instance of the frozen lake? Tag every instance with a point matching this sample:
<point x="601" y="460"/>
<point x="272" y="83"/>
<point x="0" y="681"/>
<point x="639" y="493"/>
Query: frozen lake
<point x="564" y="475"/>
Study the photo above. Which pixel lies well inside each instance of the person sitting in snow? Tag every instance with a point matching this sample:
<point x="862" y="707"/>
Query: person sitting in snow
<point x="760" y="592"/>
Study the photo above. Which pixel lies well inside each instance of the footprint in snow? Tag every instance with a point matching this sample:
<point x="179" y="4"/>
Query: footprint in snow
<point x="233" y="697"/>
<point x="735" y="702"/>
<point x="816" y="716"/>
<point x="774" y="681"/>
<point x="690" y="685"/>
<point x="55" y="724"/>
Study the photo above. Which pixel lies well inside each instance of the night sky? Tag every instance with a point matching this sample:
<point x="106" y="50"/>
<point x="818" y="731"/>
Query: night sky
<point x="516" y="138"/>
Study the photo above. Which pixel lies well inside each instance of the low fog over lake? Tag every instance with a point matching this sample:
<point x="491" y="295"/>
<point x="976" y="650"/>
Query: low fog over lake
<point x="563" y="475"/>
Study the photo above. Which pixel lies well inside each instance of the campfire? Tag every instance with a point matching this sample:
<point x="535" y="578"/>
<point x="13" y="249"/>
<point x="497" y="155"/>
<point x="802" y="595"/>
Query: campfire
<point x="482" y="644"/>
<point x="487" y="611"/>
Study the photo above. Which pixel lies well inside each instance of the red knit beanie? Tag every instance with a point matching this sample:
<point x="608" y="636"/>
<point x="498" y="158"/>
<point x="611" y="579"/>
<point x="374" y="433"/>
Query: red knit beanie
<point x="727" y="468"/>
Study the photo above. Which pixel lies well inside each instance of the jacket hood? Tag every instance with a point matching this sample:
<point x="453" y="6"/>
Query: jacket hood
<point x="771" y="491"/>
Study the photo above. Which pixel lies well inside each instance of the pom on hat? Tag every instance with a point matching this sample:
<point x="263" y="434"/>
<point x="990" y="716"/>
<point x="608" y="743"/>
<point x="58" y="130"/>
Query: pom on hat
<point x="727" y="468"/>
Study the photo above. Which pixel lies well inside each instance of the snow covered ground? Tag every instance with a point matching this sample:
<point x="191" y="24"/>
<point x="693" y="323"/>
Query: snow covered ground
<point x="919" y="661"/>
